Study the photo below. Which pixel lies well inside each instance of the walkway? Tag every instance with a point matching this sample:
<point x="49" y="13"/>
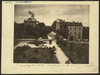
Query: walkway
<point x="25" y="43"/>
<point x="62" y="58"/>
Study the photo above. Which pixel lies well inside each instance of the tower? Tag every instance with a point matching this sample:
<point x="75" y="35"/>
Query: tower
<point x="57" y="24"/>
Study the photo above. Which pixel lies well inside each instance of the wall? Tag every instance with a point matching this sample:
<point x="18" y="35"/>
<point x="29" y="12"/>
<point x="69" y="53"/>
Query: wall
<point x="77" y="31"/>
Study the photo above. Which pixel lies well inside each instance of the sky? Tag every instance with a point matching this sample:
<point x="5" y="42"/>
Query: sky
<point x="49" y="13"/>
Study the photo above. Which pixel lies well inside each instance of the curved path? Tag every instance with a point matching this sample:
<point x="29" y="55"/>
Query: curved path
<point x="62" y="58"/>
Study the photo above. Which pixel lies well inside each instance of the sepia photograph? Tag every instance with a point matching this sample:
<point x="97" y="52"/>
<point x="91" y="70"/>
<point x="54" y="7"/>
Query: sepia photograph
<point x="50" y="37"/>
<point x="51" y="34"/>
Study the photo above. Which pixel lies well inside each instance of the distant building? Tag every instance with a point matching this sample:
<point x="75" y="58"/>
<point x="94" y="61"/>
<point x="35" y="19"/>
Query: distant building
<point x="30" y="21"/>
<point x="57" y="24"/>
<point x="75" y="28"/>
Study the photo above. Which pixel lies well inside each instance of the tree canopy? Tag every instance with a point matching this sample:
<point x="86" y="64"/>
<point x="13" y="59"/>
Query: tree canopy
<point x="85" y="32"/>
<point x="63" y="31"/>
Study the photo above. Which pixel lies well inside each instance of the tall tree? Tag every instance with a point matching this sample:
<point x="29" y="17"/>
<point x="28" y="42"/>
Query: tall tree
<point x="18" y="30"/>
<point x="86" y="32"/>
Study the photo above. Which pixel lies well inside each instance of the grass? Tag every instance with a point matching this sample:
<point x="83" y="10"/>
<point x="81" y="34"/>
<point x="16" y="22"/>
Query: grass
<point x="78" y="53"/>
<point x="34" y="55"/>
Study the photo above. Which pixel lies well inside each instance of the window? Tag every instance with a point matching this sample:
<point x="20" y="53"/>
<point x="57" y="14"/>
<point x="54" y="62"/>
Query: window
<point x="70" y="32"/>
<point x="70" y="28"/>
<point x="75" y="28"/>
<point x="79" y="36"/>
<point x="79" y="33"/>
<point x="79" y="28"/>
<point x="75" y="33"/>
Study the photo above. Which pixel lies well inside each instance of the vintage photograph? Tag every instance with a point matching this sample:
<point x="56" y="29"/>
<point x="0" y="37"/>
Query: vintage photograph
<point x="51" y="33"/>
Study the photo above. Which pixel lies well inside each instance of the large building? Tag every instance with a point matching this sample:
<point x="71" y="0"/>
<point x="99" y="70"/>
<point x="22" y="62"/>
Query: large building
<point x="30" y="21"/>
<point x="75" y="29"/>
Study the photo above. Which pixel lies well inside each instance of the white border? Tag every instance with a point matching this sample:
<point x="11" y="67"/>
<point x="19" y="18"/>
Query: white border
<point x="7" y="65"/>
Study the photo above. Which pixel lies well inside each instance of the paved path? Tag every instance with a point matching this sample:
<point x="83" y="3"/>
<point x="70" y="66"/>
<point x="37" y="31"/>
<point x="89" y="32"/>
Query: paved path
<point x="25" y="43"/>
<point x="62" y="58"/>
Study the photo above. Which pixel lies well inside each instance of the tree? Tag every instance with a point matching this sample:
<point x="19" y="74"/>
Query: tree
<point x="40" y="24"/>
<point x="71" y="38"/>
<point x="18" y="30"/>
<point x="54" y="25"/>
<point x="63" y="28"/>
<point x="64" y="32"/>
<point x="86" y="32"/>
<point x="57" y="36"/>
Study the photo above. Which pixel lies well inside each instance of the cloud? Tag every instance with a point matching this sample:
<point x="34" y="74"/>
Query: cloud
<point x="49" y="13"/>
<point x="76" y="10"/>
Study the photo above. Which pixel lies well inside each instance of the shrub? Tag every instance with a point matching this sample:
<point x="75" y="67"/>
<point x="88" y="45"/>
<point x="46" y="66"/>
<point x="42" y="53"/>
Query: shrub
<point x="19" y="49"/>
<point x="71" y="38"/>
<point x="26" y="47"/>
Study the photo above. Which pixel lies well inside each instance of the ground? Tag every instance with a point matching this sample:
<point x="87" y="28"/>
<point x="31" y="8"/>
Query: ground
<point x="78" y="53"/>
<point x="34" y="55"/>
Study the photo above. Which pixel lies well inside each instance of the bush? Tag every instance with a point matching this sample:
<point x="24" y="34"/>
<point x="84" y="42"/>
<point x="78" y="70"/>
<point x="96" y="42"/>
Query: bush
<point x="33" y="60"/>
<point x="19" y="49"/>
<point x="26" y="47"/>
<point x="71" y="38"/>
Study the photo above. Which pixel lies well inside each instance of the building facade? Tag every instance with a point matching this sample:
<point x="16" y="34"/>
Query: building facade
<point x="30" y="21"/>
<point x="57" y="24"/>
<point x="75" y="29"/>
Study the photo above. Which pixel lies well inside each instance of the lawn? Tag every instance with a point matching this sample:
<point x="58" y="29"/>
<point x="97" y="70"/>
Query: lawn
<point x="77" y="53"/>
<point x="34" y="55"/>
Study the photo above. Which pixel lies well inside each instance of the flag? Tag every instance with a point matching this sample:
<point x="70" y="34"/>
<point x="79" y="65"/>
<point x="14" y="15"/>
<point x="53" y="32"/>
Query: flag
<point x="32" y="15"/>
<point x="30" y="12"/>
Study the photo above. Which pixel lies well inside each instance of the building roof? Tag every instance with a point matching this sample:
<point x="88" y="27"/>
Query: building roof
<point x="70" y="23"/>
<point x="31" y="19"/>
<point x="73" y="24"/>
<point x="57" y="20"/>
